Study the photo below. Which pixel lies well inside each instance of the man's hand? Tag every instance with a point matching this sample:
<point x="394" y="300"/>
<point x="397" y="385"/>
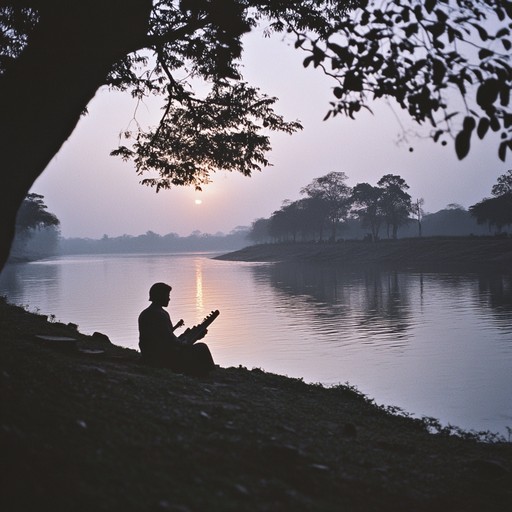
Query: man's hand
<point x="190" y="336"/>
<point x="179" y="323"/>
<point x="201" y="334"/>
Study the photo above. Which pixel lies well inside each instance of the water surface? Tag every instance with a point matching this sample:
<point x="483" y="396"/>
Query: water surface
<point x="434" y="344"/>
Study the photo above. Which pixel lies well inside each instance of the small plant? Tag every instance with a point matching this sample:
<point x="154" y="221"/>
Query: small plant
<point x="52" y="318"/>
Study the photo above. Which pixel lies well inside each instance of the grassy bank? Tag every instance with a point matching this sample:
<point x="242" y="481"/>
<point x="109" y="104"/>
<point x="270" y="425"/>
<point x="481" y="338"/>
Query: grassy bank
<point x="85" y="426"/>
<point x="402" y="253"/>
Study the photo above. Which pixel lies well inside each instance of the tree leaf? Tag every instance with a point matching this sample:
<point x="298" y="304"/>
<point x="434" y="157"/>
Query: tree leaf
<point x="307" y="61"/>
<point x="487" y="93"/>
<point x="338" y="92"/>
<point x="429" y="5"/>
<point x="504" y="96"/>
<point x="439" y="71"/>
<point x="468" y="124"/>
<point x="481" y="31"/>
<point x="502" y="151"/>
<point x="483" y="126"/>
<point x="462" y="144"/>
<point x="411" y="29"/>
<point x="484" y="53"/>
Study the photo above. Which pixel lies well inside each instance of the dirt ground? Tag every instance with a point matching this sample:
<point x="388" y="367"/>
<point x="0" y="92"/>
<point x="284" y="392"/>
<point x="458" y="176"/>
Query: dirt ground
<point x="85" y="426"/>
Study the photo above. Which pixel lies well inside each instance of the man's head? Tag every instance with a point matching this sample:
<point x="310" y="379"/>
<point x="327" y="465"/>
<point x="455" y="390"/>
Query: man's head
<point x="159" y="294"/>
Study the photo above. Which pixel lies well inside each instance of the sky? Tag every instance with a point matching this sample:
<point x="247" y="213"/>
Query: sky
<point x="94" y="194"/>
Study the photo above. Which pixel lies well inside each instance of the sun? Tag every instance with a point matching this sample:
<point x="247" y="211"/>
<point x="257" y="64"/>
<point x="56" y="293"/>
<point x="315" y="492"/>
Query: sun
<point x="198" y="201"/>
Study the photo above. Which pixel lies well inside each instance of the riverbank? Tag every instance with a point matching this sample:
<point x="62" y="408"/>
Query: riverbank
<point x="85" y="426"/>
<point x="401" y="253"/>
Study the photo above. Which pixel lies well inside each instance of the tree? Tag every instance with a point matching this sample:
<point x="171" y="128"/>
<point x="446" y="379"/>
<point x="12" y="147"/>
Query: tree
<point x="497" y="210"/>
<point x="334" y="193"/>
<point x="504" y="185"/>
<point x="34" y="214"/>
<point x="287" y="222"/>
<point x="395" y="202"/>
<point x="34" y="218"/>
<point x="417" y="211"/>
<point x="259" y="231"/>
<point x="367" y="206"/>
<point x="314" y="217"/>
<point x="55" y="54"/>
<point x="278" y="227"/>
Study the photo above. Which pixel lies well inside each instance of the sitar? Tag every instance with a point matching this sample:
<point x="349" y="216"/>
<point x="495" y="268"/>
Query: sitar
<point x="193" y="334"/>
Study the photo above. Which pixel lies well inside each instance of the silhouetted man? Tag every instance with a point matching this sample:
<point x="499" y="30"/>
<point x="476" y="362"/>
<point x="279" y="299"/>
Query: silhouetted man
<point x="160" y="346"/>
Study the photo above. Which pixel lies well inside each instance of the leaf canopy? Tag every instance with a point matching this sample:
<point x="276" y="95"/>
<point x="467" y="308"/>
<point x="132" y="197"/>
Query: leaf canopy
<point x="417" y="53"/>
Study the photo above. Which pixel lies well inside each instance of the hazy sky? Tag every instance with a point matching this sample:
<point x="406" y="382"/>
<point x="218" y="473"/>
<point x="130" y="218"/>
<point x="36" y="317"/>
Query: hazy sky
<point x="95" y="194"/>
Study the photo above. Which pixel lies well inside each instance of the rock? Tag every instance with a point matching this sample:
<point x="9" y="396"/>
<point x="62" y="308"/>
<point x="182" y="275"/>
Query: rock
<point x="58" y="339"/>
<point x="81" y="423"/>
<point x="320" y="467"/>
<point x="102" y="338"/>
<point x="241" y="489"/>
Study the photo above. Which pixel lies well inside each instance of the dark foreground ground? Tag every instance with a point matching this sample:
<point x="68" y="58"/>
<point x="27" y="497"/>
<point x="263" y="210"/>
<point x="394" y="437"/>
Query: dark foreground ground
<point x="432" y="253"/>
<point x="85" y="427"/>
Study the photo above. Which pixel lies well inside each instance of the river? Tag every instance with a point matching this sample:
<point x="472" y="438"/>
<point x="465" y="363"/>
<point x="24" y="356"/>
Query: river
<point x="432" y="344"/>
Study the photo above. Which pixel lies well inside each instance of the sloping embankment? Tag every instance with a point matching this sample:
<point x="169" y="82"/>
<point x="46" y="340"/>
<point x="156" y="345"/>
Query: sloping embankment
<point x="404" y="253"/>
<point x="87" y="427"/>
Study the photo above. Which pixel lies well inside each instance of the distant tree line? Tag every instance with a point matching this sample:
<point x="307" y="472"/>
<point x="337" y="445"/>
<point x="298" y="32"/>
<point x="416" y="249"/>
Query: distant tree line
<point x="331" y="210"/>
<point x="330" y="205"/>
<point x="38" y="236"/>
<point x="151" y="242"/>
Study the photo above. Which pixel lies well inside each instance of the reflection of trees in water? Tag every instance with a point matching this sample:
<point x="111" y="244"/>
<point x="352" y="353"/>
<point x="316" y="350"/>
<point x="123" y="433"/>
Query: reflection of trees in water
<point x="386" y="299"/>
<point x="491" y="291"/>
<point x="375" y="300"/>
<point x="21" y="281"/>
<point x="495" y="292"/>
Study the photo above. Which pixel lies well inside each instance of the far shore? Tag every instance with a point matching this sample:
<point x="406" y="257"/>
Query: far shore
<point x="491" y="252"/>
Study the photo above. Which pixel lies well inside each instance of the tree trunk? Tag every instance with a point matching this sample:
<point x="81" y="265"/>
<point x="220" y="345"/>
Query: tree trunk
<point x="46" y="90"/>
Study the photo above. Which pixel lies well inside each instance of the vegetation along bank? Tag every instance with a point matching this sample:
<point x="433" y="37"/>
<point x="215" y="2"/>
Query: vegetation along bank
<point x="436" y="252"/>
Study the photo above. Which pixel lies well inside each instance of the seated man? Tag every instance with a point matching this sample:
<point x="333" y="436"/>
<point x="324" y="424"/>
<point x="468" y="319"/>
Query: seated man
<point x="160" y="346"/>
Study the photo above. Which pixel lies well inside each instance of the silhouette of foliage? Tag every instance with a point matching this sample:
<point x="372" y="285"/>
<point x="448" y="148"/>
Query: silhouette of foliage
<point x="330" y="202"/>
<point x="395" y="202"/>
<point x="37" y="230"/>
<point x="34" y="214"/>
<point x="504" y="185"/>
<point x="332" y="190"/>
<point x="494" y="211"/>
<point x="367" y="206"/>
<point x="258" y="232"/>
<point x="417" y="53"/>
<point x="497" y="210"/>
<point x="55" y="55"/>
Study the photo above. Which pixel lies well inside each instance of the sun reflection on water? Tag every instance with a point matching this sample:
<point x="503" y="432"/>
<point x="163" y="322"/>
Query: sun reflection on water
<point x="199" y="286"/>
